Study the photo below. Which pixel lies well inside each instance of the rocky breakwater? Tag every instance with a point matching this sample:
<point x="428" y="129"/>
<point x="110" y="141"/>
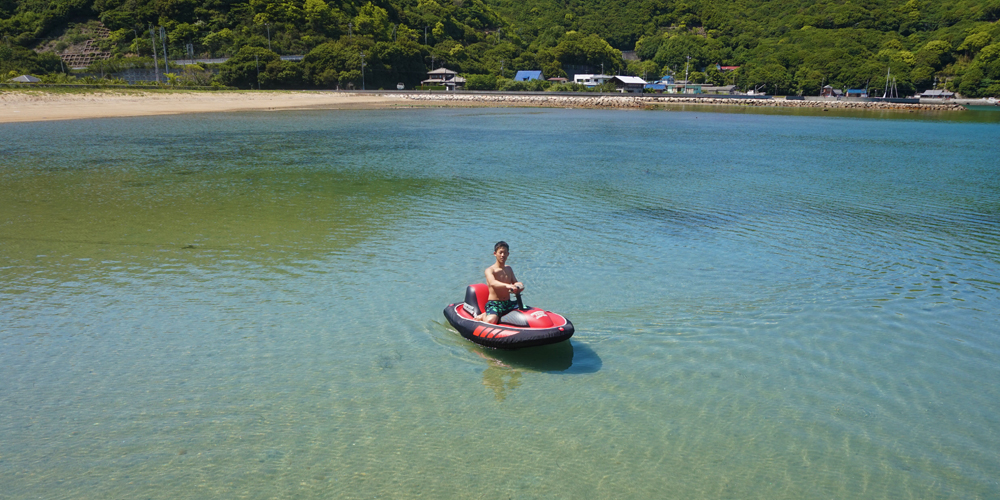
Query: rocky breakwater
<point x="648" y="100"/>
<point x="562" y="101"/>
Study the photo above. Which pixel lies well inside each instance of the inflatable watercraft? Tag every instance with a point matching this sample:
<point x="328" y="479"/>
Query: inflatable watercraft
<point x="522" y="327"/>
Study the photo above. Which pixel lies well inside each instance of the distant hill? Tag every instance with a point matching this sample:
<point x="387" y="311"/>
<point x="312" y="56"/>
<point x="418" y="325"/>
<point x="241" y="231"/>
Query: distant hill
<point x="781" y="46"/>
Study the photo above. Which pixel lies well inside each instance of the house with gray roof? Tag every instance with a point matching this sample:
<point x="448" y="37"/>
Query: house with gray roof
<point x="628" y="84"/>
<point x="444" y="77"/>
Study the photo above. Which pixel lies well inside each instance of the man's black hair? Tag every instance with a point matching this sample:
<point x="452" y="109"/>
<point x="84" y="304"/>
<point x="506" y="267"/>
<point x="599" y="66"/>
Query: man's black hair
<point x="501" y="244"/>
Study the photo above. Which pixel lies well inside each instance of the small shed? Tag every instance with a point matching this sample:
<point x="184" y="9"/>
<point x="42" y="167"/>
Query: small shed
<point x="829" y="91"/>
<point x="25" y="79"/>
<point x="721" y="89"/>
<point x="937" y="94"/>
<point x="628" y="83"/>
<point x="857" y="92"/>
<point x="524" y="76"/>
<point x="683" y="87"/>
<point x="558" y="79"/>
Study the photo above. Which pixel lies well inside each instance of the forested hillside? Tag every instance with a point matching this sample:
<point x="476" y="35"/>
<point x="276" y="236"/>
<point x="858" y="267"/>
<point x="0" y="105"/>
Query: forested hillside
<point x="781" y="46"/>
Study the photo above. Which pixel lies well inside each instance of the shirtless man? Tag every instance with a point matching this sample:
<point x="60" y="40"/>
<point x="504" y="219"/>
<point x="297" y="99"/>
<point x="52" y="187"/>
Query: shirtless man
<point x="500" y="278"/>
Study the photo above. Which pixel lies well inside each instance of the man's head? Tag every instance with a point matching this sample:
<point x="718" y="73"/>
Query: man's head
<point x="501" y="251"/>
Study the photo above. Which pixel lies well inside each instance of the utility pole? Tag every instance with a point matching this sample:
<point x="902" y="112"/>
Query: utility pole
<point x="163" y="38"/>
<point x="156" y="64"/>
<point x="135" y="41"/>
<point x="362" y="71"/>
<point x="425" y="37"/>
<point x="350" y="31"/>
<point x="394" y="33"/>
<point x="688" y="63"/>
<point x="257" y="62"/>
<point x="268" y="26"/>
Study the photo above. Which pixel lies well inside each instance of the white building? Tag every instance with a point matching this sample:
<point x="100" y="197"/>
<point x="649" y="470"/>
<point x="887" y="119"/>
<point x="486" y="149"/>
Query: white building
<point x="591" y="80"/>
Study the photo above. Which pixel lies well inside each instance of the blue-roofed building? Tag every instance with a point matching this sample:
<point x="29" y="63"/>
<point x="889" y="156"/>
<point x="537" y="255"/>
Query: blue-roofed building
<point x="857" y="92"/>
<point x="523" y="76"/>
<point x="662" y="85"/>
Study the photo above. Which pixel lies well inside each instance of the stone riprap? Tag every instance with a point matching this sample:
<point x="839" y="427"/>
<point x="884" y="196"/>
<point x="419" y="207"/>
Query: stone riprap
<point x="643" y="101"/>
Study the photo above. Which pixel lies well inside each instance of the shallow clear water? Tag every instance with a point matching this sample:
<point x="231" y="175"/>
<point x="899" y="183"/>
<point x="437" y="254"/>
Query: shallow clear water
<point x="250" y="305"/>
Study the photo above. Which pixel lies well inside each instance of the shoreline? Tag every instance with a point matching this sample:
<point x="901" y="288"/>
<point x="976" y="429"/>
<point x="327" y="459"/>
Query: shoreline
<point x="30" y="105"/>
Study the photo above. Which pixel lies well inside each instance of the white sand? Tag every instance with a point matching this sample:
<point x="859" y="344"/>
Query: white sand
<point x="28" y="105"/>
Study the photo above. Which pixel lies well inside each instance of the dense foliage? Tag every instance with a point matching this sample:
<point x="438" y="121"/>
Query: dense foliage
<point x="781" y="46"/>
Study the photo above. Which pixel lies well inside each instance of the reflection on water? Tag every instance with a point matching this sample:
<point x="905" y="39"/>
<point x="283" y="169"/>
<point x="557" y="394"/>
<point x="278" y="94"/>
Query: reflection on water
<point x="501" y="378"/>
<point x="249" y="305"/>
<point x="503" y="372"/>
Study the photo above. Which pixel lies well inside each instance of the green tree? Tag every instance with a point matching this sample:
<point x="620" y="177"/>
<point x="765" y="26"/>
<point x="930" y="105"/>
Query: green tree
<point x="392" y="63"/>
<point x="808" y="81"/>
<point x="935" y="54"/>
<point x="15" y="59"/>
<point x="922" y="77"/>
<point x="682" y="51"/>
<point x="592" y="50"/>
<point x="248" y="68"/>
<point x="481" y="82"/>
<point x="975" y="42"/>
<point x="373" y="21"/>
<point x="971" y="80"/>
<point x="772" y="78"/>
<point x="333" y="64"/>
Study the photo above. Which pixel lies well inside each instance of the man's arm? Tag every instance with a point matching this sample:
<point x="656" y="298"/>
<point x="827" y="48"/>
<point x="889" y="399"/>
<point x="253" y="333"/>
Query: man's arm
<point x="518" y="286"/>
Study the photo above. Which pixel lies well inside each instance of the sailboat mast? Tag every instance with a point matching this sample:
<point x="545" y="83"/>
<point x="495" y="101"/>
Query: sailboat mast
<point x="885" y="92"/>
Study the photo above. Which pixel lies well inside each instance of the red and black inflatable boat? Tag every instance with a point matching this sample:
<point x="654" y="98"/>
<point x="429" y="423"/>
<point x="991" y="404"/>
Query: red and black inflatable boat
<point x="522" y="327"/>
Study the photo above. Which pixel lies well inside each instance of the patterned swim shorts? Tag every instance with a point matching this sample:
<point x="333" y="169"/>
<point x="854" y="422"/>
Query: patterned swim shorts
<point x="500" y="307"/>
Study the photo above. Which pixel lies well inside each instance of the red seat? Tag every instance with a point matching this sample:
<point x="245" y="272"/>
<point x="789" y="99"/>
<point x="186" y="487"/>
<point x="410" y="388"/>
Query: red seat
<point x="476" y="296"/>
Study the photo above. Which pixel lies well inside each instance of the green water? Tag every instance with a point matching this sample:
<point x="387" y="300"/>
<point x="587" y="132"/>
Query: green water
<point x="250" y="305"/>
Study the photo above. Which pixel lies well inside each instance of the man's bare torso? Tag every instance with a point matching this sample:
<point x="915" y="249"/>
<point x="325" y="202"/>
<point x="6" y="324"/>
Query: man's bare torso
<point x="506" y="276"/>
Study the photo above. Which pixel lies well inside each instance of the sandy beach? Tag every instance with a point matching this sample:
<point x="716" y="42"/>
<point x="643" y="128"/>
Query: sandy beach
<point x="39" y="105"/>
<point x="28" y="106"/>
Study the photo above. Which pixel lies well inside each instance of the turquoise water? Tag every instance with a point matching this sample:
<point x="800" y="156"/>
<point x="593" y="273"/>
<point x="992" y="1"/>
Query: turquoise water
<point x="249" y="305"/>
